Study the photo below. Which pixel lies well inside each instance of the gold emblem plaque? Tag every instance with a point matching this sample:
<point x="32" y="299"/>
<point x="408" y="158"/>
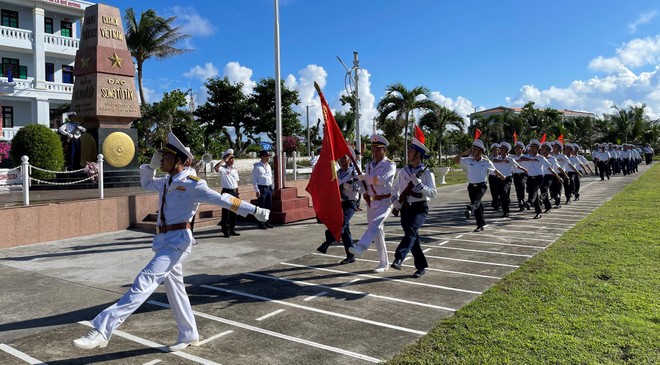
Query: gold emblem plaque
<point x="118" y="149"/>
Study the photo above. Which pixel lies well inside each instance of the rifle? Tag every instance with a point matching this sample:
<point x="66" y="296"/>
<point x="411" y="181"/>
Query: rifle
<point x="407" y="191"/>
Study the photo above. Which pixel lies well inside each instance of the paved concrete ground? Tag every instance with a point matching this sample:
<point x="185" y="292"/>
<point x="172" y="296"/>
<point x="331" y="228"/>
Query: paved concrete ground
<point x="267" y="297"/>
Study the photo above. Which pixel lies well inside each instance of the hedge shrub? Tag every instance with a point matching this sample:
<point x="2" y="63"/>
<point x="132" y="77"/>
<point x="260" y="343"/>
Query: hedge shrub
<point x="42" y="146"/>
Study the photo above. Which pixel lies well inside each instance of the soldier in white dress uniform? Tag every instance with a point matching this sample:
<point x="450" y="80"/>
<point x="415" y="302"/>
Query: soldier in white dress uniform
<point x="506" y="165"/>
<point x="379" y="178"/>
<point x="229" y="183"/>
<point x="173" y="242"/>
<point x="262" y="181"/>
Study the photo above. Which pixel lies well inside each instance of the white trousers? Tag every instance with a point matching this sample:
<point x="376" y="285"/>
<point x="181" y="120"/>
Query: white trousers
<point x="376" y="215"/>
<point x="166" y="266"/>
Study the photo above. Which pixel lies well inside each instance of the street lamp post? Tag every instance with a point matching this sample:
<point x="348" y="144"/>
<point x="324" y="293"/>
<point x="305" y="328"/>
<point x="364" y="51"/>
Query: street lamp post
<point x="309" y="141"/>
<point x="354" y="78"/>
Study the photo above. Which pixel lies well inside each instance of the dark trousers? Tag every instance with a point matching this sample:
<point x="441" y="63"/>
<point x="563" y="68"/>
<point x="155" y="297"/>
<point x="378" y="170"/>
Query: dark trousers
<point x="412" y="218"/>
<point x="569" y="186"/>
<point x="604" y="170"/>
<point x="555" y="191"/>
<point x="576" y="184"/>
<point x="505" y="193"/>
<point x="533" y="186"/>
<point x="265" y="199"/>
<point x="649" y="158"/>
<point x="476" y="192"/>
<point x="545" y="191"/>
<point x="228" y="221"/>
<point x="494" y="187"/>
<point x="626" y="166"/>
<point x="348" y="207"/>
<point x="519" y="181"/>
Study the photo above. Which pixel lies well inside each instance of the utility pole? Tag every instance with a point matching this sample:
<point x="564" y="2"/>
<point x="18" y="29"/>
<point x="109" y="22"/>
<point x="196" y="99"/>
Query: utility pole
<point x="309" y="141"/>
<point x="352" y="75"/>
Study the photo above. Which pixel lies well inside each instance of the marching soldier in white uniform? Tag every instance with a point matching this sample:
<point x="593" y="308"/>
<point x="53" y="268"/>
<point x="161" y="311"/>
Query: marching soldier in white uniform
<point x="493" y="182"/>
<point x="602" y="159"/>
<point x="229" y="183"/>
<point x="173" y="242"/>
<point x="535" y="171"/>
<point x="413" y="188"/>
<point x="505" y="164"/>
<point x="262" y="181"/>
<point x="519" y="176"/>
<point x="378" y="178"/>
<point x="478" y="167"/>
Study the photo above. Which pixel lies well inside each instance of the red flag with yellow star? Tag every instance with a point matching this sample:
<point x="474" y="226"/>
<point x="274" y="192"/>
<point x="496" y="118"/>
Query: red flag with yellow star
<point x="323" y="185"/>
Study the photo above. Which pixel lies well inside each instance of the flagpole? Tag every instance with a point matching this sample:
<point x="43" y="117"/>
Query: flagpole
<point x="279" y="183"/>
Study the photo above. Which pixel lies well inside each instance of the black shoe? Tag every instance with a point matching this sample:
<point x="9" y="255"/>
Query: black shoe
<point x="537" y="216"/>
<point x="577" y="197"/>
<point x="348" y="260"/>
<point x="468" y="212"/>
<point x="418" y="273"/>
<point x="262" y="226"/>
<point x="568" y="201"/>
<point x="527" y="205"/>
<point x="234" y="233"/>
<point x="478" y="229"/>
<point x="521" y="208"/>
<point x="323" y="248"/>
<point x="396" y="264"/>
<point x="268" y="225"/>
<point x="547" y="210"/>
<point x="505" y="215"/>
<point x="225" y="234"/>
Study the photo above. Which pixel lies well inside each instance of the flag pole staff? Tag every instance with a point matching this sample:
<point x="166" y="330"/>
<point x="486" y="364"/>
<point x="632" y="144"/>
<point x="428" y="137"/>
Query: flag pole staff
<point x="279" y="164"/>
<point x="350" y="155"/>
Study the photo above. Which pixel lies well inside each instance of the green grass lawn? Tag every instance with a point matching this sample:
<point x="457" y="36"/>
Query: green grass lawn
<point x="593" y="297"/>
<point x="453" y="177"/>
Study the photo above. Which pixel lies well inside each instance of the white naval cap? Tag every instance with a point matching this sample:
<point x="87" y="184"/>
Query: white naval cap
<point x="535" y="142"/>
<point x="419" y="146"/>
<point x="548" y="145"/>
<point x="506" y="145"/>
<point x="176" y="147"/>
<point x="479" y="144"/>
<point x="520" y="144"/>
<point x="558" y="143"/>
<point x="228" y="152"/>
<point x="379" y="140"/>
<point x="576" y="146"/>
<point x="494" y="145"/>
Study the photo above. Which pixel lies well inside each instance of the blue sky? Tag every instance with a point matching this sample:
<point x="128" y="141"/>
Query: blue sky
<point x="581" y="55"/>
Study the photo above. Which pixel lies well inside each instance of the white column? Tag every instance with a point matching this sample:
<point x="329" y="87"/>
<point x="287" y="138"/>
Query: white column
<point x="38" y="51"/>
<point x="41" y="111"/>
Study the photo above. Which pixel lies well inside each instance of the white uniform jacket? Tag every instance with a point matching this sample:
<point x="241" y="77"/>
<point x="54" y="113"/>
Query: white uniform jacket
<point x="379" y="180"/>
<point x="426" y="187"/>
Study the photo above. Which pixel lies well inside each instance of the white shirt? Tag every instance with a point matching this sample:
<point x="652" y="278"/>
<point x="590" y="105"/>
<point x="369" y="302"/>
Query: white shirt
<point x="477" y="170"/>
<point x="426" y="187"/>
<point x="601" y="155"/>
<point x="343" y="177"/>
<point x="381" y="177"/>
<point x="648" y="150"/>
<point x="554" y="165"/>
<point x="506" y="165"/>
<point x="515" y="169"/>
<point x="313" y="160"/>
<point x="563" y="161"/>
<point x="72" y="130"/>
<point x="261" y="175"/>
<point x="228" y="177"/>
<point x="537" y="167"/>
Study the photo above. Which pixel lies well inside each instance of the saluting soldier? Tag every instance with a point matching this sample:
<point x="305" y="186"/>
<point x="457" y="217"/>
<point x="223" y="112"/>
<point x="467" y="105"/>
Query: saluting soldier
<point x="505" y="164"/>
<point x="379" y="178"/>
<point x="173" y="242"/>
<point x="413" y="188"/>
<point x="229" y="183"/>
<point x="478" y="167"/>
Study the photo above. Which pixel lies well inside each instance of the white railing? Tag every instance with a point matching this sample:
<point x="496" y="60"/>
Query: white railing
<point x="16" y="33"/>
<point x="19" y="83"/>
<point x="9" y="133"/>
<point x="94" y="173"/>
<point x="59" y="41"/>
<point x="60" y="87"/>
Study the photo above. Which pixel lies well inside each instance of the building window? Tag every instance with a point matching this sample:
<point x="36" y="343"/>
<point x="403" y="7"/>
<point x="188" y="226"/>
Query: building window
<point x="7" y="117"/>
<point x="48" y="26"/>
<point x="67" y="74"/>
<point x="9" y="18"/>
<point x="17" y="71"/>
<point x="50" y="72"/>
<point x="65" y="29"/>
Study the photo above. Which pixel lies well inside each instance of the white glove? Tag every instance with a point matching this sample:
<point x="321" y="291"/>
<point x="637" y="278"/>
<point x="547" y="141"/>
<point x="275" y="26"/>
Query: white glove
<point x="366" y="178"/>
<point x="397" y="205"/>
<point x="261" y="214"/>
<point x="69" y="135"/>
<point x="347" y="186"/>
<point x="155" y="160"/>
<point x="415" y="180"/>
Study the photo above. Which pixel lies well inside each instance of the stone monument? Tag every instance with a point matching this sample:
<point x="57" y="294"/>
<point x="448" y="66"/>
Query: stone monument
<point x="104" y="96"/>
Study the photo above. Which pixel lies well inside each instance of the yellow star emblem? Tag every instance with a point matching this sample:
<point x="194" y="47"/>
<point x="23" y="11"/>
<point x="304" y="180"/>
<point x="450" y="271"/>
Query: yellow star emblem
<point x="334" y="170"/>
<point x="116" y="61"/>
<point x="84" y="62"/>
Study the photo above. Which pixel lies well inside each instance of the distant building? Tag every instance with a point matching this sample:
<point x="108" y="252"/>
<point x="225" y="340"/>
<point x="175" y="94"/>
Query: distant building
<point x="515" y="110"/>
<point x="38" y="44"/>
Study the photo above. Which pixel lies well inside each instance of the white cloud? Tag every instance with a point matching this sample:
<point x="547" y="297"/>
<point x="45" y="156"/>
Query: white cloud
<point x="237" y="73"/>
<point x="191" y="22"/>
<point x="304" y="84"/>
<point x="642" y="19"/>
<point x="603" y="64"/>
<point x="202" y="73"/>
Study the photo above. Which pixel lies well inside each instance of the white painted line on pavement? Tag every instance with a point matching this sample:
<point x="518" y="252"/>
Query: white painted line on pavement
<point x="312" y="309"/>
<point x="427" y="269"/>
<point x="152" y="362"/>
<point x="385" y="278"/>
<point x="459" y="236"/>
<point x="442" y="243"/>
<point x="209" y="339"/>
<point x="507" y="230"/>
<point x="155" y="345"/>
<point x="267" y="315"/>
<point x="537" y="228"/>
<point x="427" y="250"/>
<point x="315" y="296"/>
<point x="484" y="251"/>
<point x="472" y="261"/>
<point x="523" y="239"/>
<point x="365" y="294"/>
<point x="277" y="334"/>
<point x="502" y="244"/>
<point x="21" y="355"/>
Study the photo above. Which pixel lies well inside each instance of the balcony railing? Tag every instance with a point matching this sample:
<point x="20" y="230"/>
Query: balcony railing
<point x="59" y="44"/>
<point x="16" y="33"/>
<point x="20" y="83"/>
<point x="9" y="133"/>
<point x="59" y="87"/>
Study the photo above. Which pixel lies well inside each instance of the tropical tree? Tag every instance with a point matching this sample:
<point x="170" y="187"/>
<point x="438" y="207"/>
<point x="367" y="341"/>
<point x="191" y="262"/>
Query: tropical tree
<point x="264" y="103"/>
<point x="402" y="102"/>
<point x="435" y="122"/>
<point x="151" y="36"/>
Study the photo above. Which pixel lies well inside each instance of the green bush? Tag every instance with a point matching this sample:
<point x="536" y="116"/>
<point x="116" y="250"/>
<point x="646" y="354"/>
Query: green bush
<point x="42" y="146"/>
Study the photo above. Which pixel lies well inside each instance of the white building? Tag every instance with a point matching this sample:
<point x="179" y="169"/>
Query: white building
<point x="38" y="43"/>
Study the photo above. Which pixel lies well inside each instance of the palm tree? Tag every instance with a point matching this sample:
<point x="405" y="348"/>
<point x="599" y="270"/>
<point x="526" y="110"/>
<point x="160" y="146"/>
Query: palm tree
<point x="402" y="102"/>
<point x="437" y="119"/>
<point x="152" y="36"/>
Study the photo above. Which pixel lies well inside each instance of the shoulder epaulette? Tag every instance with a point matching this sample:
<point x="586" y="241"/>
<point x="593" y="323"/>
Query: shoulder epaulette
<point x="193" y="177"/>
